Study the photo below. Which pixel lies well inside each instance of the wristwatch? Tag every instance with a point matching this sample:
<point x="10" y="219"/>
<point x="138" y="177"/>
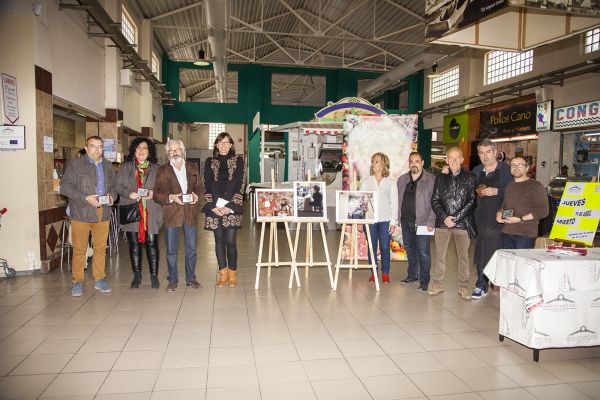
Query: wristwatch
<point x="521" y="219"/>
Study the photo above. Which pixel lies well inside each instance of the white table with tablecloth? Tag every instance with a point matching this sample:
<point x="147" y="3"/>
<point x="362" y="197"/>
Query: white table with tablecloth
<point x="547" y="299"/>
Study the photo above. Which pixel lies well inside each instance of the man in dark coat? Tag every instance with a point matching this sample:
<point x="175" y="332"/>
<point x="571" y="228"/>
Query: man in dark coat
<point x="453" y="202"/>
<point x="492" y="178"/>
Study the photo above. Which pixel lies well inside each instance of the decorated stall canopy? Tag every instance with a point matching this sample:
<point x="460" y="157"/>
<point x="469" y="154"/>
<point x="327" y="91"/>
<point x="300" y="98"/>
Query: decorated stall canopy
<point x="578" y="213"/>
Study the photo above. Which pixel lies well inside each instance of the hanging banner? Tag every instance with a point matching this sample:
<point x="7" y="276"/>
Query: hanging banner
<point x="543" y="121"/>
<point x="577" y="116"/>
<point x="511" y="120"/>
<point x="396" y="136"/>
<point x="580" y="7"/>
<point x="446" y="16"/>
<point x="10" y="98"/>
<point x="578" y="213"/>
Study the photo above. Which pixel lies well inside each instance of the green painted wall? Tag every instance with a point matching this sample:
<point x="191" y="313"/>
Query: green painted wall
<point x="254" y="95"/>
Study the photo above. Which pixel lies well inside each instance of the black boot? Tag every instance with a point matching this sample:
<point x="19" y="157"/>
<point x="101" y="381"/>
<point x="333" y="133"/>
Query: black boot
<point x="152" y="253"/>
<point x="135" y="254"/>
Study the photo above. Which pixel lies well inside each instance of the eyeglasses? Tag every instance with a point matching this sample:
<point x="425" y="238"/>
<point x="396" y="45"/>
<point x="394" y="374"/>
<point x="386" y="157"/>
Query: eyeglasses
<point x="174" y="150"/>
<point x="513" y="166"/>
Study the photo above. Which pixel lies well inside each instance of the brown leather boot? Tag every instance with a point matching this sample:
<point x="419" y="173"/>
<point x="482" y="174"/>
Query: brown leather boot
<point x="222" y="277"/>
<point x="232" y="277"/>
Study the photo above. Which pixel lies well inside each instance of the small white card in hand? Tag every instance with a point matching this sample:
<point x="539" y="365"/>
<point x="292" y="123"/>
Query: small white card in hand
<point x="423" y="231"/>
<point x="221" y="202"/>
<point x="187" y="198"/>
<point x="142" y="192"/>
<point x="103" y="200"/>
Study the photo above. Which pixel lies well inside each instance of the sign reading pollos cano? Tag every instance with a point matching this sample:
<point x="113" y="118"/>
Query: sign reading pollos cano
<point x="511" y="120"/>
<point x="577" y="115"/>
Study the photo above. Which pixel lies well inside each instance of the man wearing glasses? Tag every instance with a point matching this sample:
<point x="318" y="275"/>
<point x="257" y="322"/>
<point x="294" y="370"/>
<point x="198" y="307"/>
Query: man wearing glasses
<point x="177" y="186"/>
<point x="525" y="203"/>
<point x="414" y="210"/>
<point x="88" y="182"/>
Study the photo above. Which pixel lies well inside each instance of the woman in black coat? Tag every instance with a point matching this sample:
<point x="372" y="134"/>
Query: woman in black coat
<point x="224" y="180"/>
<point x="139" y="172"/>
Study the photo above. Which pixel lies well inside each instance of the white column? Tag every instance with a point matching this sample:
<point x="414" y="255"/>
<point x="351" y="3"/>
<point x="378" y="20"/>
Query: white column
<point x="145" y="49"/>
<point x="19" y="235"/>
<point x="113" y="97"/>
<point x="548" y="156"/>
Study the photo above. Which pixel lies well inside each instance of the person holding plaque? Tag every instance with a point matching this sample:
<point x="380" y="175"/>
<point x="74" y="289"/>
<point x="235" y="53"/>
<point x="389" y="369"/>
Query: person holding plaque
<point x="88" y="182"/>
<point x="525" y="203"/>
<point x="177" y="185"/>
<point x="135" y="184"/>
<point x="224" y="181"/>
<point x="492" y="178"/>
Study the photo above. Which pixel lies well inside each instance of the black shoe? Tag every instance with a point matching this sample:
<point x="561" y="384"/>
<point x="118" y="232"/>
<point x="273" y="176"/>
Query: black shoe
<point x="154" y="281"/>
<point x="408" y="280"/>
<point x="423" y="288"/>
<point x="137" y="279"/>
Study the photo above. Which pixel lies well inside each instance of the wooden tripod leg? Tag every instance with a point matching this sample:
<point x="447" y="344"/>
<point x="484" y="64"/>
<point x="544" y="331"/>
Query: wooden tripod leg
<point x="294" y="267"/>
<point x="276" y="244"/>
<point x="373" y="259"/>
<point x="260" y="250"/>
<point x="271" y="233"/>
<point x="339" y="257"/>
<point x="354" y="244"/>
<point x="326" y="248"/>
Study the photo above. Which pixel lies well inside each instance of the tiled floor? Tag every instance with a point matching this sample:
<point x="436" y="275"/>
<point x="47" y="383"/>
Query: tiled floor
<point x="271" y="343"/>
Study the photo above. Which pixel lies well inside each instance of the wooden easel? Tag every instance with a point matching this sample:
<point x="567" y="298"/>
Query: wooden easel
<point x="274" y="248"/>
<point x="309" y="261"/>
<point x="353" y="261"/>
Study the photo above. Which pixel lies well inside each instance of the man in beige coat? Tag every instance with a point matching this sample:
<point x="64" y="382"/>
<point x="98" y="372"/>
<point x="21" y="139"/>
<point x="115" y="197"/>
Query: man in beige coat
<point x="178" y="183"/>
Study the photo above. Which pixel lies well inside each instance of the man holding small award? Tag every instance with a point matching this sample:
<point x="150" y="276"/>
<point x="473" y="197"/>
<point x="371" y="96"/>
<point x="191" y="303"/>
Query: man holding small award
<point x="525" y="203"/>
<point x="492" y="178"/>
<point x="177" y="185"/>
<point x="88" y="182"/>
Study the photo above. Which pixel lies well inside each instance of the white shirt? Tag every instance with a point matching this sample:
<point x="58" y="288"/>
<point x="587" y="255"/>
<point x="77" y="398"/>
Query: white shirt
<point x="181" y="177"/>
<point x="387" y="191"/>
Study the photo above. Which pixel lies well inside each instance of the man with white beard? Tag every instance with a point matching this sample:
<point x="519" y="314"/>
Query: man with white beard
<point x="177" y="186"/>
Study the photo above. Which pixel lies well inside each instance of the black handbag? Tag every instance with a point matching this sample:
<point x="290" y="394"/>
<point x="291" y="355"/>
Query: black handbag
<point x="129" y="214"/>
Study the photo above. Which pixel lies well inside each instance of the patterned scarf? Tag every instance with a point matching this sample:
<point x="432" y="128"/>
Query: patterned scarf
<point x="139" y="177"/>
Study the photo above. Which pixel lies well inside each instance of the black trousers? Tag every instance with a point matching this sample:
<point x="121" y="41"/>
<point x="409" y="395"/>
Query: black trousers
<point x="226" y="248"/>
<point x="135" y="252"/>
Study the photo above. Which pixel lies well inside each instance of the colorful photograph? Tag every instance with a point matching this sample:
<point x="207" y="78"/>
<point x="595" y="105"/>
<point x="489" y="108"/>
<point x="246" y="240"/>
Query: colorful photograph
<point x="356" y="207"/>
<point x="274" y="204"/>
<point x="309" y="201"/>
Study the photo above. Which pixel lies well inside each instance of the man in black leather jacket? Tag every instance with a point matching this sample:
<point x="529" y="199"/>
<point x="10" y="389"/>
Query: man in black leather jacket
<point x="453" y="202"/>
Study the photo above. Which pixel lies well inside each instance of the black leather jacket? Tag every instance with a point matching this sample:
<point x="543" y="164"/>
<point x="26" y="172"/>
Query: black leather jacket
<point x="455" y="196"/>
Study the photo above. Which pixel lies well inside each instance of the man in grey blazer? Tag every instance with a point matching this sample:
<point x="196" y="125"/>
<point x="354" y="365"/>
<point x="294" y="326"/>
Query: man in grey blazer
<point x="88" y="182"/>
<point x="414" y="210"/>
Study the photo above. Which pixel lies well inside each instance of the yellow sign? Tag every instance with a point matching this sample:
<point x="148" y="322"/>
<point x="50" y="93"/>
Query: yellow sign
<point x="578" y="213"/>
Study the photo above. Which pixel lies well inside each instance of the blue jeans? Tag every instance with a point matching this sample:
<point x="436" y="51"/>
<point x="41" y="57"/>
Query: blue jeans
<point x="417" y="252"/>
<point x="517" y="242"/>
<point x="190" y="236"/>
<point x="380" y="232"/>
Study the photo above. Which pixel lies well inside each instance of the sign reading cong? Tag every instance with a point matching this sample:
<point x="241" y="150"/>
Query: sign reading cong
<point x="577" y="115"/>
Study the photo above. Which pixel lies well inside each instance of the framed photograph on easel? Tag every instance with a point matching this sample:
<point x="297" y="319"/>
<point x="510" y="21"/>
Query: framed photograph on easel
<point x="309" y="201"/>
<point x="356" y="207"/>
<point x="274" y="205"/>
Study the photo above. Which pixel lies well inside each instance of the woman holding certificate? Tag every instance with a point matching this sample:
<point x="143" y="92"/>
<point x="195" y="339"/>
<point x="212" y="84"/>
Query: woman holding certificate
<point x="139" y="215"/>
<point x="224" y="180"/>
